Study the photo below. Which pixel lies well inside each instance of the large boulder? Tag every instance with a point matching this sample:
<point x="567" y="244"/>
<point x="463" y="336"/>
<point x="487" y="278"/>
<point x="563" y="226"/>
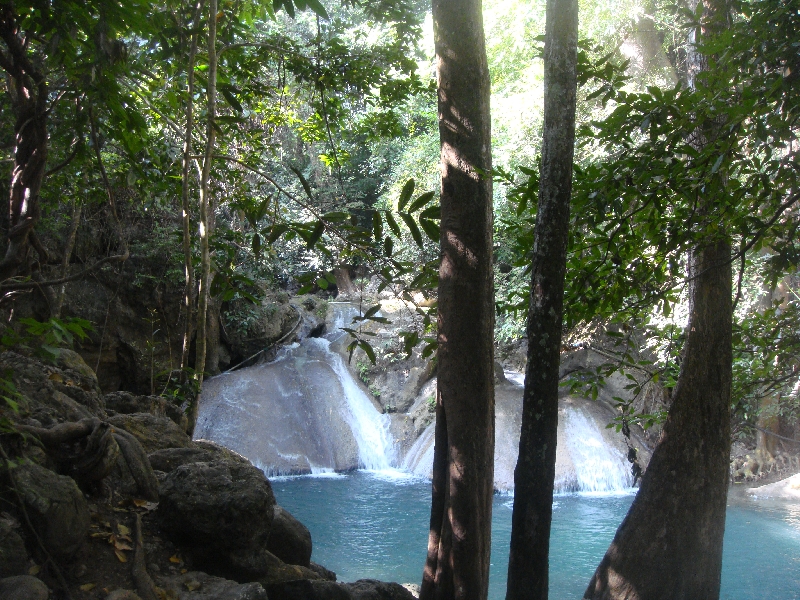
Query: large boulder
<point x="372" y="589"/>
<point x="307" y="589"/>
<point x="13" y="555"/>
<point x="289" y="539"/>
<point x="197" y="585"/>
<point x="223" y="512"/>
<point x="56" y="507"/>
<point x="153" y="433"/>
<point x="169" y="459"/>
<point x="23" y="587"/>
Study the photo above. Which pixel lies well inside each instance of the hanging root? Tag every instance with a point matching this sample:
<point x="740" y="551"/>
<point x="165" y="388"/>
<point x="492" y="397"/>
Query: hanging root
<point x="138" y="463"/>
<point x="145" y="587"/>
<point x="93" y="458"/>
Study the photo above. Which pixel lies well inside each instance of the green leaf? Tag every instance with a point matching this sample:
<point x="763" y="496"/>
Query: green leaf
<point x="388" y="246"/>
<point x="276" y="231"/>
<point x="412" y="227"/>
<point x="431" y="229"/>
<point x="377" y="225"/>
<point x="364" y="345"/>
<point x="318" y="9"/>
<point x="392" y="224"/>
<point x="232" y="100"/>
<point x="421" y="201"/>
<point x="319" y="228"/>
<point x="257" y="245"/>
<point x="405" y="195"/>
<point x="323" y="283"/>
<point x="303" y="182"/>
<point x="432" y="212"/>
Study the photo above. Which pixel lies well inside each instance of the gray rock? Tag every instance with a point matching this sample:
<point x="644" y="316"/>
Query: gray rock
<point x="197" y="585"/>
<point x="289" y="539"/>
<point x="323" y="573"/>
<point x="306" y="589"/>
<point x="56" y="507"/>
<point x="154" y="433"/>
<point x="223" y="512"/>
<point x="169" y="459"/>
<point x="372" y="589"/>
<point x="13" y="555"/>
<point x="23" y="587"/>
<point x="127" y="403"/>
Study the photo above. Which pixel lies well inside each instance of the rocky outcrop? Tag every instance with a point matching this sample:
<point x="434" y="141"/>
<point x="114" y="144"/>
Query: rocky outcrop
<point x="196" y="585"/>
<point x="306" y="589"/>
<point x="13" y="555"/>
<point x="289" y="539"/>
<point x="56" y="507"/>
<point x="222" y="512"/>
<point x="127" y="403"/>
<point x="153" y="433"/>
<point x="23" y="587"/>
<point x="372" y="589"/>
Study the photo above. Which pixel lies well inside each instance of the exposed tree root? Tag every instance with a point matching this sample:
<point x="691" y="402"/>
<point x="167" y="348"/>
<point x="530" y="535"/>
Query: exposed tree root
<point x="145" y="587"/>
<point x="138" y="463"/>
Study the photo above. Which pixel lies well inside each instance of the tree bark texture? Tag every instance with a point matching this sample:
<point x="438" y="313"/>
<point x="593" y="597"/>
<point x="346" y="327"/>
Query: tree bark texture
<point x="28" y="89"/>
<point x="459" y="541"/>
<point x="669" y="547"/>
<point x="535" y="471"/>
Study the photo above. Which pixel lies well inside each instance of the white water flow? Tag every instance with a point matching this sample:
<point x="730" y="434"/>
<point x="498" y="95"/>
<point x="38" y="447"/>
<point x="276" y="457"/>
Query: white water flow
<point x="301" y="413"/>
<point x="597" y="465"/>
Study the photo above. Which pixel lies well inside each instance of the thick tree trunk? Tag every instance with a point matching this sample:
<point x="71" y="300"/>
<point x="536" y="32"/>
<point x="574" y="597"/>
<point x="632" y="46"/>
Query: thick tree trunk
<point x="29" y="98"/>
<point x="460" y="529"/>
<point x="535" y="471"/>
<point x="670" y="544"/>
<point x="669" y="547"/>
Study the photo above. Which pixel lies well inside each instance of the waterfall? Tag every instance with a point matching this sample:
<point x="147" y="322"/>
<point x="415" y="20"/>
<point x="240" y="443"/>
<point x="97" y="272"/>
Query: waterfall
<point x="370" y="428"/>
<point x="597" y="465"/>
<point x="301" y="413"/>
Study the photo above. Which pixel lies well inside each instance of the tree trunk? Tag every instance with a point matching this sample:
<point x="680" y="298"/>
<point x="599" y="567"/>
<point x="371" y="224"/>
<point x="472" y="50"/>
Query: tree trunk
<point x="459" y="541"/>
<point x="535" y="471"/>
<point x="205" y="176"/>
<point x="189" y="290"/>
<point x="670" y="544"/>
<point x="205" y="258"/>
<point x="29" y="99"/>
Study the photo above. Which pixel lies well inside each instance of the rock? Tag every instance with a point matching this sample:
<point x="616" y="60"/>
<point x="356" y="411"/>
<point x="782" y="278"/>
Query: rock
<point x="23" y="587"/>
<point x="224" y="511"/>
<point x="51" y="395"/>
<point x="372" y="589"/>
<point x="323" y="573"/>
<point x="56" y="508"/>
<point x="127" y="403"/>
<point x="13" y="555"/>
<point x="73" y="364"/>
<point x="289" y="539"/>
<point x="123" y="595"/>
<point x="169" y="459"/>
<point x="196" y="585"/>
<point x="306" y="589"/>
<point x="154" y="433"/>
<point x="785" y="489"/>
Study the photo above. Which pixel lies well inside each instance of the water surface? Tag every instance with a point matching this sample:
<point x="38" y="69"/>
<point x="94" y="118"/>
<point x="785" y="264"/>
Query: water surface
<point x="376" y="525"/>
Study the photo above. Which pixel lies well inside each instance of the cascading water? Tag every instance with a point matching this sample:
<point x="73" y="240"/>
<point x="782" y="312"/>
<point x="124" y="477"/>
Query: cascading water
<point x="301" y="413"/>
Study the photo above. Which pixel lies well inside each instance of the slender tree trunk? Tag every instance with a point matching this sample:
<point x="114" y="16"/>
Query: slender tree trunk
<point x="669" y="547"/>
<point x="535" y="471"/>
<point x="29" y="99"/>
<point x="77" y="208"/>
<point x="189" y="289"/>
<point x="205" y="176"/>
<point x="459" y="541"/>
